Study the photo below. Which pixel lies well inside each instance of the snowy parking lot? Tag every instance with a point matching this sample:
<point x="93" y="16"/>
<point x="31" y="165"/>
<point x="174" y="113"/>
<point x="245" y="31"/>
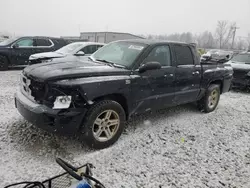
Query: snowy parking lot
<point x="176" y="147"/>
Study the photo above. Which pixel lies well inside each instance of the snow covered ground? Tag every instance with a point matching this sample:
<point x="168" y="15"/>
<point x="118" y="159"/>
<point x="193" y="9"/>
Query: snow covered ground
<point x="177" y="147"/>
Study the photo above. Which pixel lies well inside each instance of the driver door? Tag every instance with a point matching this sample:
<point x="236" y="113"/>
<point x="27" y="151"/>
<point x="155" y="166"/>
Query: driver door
<point x="154" y="89"/>
<point x="21" y="51"/>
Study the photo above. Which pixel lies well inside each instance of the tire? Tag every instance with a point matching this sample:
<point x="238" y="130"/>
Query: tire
<point x="3" y="63"/>
<point x="211" y="99"/>
<point x="96" y="128"/>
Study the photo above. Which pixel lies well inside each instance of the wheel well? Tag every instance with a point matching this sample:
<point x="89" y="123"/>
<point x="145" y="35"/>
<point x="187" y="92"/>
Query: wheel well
<point x="218" y="82"/>
<point x="115" y="97"/>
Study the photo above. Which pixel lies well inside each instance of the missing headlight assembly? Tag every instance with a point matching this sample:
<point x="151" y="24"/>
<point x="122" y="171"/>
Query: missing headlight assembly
<point x="64" y="98"/>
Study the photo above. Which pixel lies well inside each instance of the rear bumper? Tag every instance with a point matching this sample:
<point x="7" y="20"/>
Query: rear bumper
<point x="65" y="121"/>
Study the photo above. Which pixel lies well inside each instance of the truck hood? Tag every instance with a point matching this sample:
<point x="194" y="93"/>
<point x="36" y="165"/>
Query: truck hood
<point x="72" y="69"/>
<point x="239" y="65"/>
<point x="46" y="55"/>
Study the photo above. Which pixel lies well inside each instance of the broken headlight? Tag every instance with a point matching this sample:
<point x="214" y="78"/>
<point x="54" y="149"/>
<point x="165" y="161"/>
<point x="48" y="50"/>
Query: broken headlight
<point x="62" y="102"/>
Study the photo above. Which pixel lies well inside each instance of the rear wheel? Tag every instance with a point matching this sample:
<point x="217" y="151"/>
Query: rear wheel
<point x="3" y="63"/>
<point x="211" y="99"/>
<point x="104" y="124"/>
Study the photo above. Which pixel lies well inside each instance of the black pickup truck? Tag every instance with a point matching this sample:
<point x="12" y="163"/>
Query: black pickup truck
<point x="94" y="98"/>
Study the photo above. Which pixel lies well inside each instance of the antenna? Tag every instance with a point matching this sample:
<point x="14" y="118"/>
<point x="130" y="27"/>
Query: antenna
<point x="234" y="33"/>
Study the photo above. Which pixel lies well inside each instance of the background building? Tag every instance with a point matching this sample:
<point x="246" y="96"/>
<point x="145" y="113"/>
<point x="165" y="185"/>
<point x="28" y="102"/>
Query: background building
<point x="73" y="38"/>
<point x="106" y="37"/>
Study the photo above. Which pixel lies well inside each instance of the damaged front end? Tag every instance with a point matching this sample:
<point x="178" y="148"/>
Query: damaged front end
<point x="51" y="107"/>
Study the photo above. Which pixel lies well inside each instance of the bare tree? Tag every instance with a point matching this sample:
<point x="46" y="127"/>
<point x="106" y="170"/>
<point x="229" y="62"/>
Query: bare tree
<point x="150" y="37"/>
<point x="241" y="44"/>
<point x="174" y="37"/>
<point x="224" y="32"/>
<point x="205" y="40"/>
<point x="189" y="38"/>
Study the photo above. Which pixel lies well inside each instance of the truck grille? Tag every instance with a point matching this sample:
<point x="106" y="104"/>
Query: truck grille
<point x="34" y="90"/>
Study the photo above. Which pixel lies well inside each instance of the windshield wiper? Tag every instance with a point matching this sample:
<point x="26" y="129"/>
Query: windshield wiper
<point x="91" y="58"/>
<point x="104" y="60"/>
<point x="111" y="63"/>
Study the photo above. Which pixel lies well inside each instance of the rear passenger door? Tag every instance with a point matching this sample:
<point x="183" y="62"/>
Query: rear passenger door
<point x="43" y="45"/>
<point x="187" y="75"/>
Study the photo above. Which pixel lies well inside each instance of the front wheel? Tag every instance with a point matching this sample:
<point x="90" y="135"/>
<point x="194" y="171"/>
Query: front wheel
<point x="211" y="99"/>
<point x="3" y="63"/>
<point x="104" y="123"/>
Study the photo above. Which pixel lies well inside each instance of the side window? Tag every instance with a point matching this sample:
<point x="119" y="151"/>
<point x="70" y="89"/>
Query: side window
<point x="184" y="55"/>
<point x="25" y="43"/>
<point x="160" y="54"/>
<point x="98" y="46"/>
<point x="43" y="42"/>
<point x="89" y="49"/>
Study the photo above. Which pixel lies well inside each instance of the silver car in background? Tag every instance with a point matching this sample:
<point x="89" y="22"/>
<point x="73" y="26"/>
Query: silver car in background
<point x="70" y="52"/>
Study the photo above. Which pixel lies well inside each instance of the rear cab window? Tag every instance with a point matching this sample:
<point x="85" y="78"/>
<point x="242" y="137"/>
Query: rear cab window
<point x="184" y="55"/>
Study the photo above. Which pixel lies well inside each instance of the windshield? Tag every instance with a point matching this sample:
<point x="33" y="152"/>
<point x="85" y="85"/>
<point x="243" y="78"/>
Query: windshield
<point x="7" y="41"/>
<point x="123" y="53"/>
<point x="70" y="48"/>
<point x="242" y="58"/>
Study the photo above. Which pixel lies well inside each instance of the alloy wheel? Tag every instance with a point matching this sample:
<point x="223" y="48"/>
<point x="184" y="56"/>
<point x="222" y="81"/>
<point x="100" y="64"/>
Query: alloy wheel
<point x="106" y="125"/>
<point x="213" y="99"/>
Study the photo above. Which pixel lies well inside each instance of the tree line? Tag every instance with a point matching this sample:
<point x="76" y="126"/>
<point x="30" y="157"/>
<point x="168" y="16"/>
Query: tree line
<point x="222" y="38"/>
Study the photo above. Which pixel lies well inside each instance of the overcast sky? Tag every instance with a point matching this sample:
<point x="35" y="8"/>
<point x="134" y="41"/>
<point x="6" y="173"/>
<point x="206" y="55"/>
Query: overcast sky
<point x="67" y="17"/>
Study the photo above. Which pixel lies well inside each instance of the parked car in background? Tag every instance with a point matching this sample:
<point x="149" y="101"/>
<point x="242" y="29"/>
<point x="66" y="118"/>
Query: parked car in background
<point x="16" y="51"/>
<point x="95" y="98"/>
<point x="70" y="51"/>
<point x="241" y="67"/>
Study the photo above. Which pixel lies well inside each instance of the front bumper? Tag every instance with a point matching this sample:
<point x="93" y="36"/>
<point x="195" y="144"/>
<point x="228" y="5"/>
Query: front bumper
<point x="66" y="121"/>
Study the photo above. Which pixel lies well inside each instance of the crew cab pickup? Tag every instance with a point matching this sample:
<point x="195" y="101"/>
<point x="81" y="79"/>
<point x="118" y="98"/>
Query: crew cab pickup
<point x="94" y="98"/>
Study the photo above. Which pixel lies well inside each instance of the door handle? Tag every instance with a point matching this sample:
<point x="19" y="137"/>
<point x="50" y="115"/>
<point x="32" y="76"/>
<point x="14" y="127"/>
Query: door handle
<point x="196" y="72"/>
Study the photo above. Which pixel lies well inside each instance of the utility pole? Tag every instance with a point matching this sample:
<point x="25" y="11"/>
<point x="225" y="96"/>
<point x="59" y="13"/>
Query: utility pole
<point x="234" y="33"/>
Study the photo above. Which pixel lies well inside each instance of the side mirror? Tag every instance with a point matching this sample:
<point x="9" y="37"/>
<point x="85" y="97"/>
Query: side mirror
<point x="15" y="46"/>
<point x="80" y="53"/>
<point x="149" y="66"/>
